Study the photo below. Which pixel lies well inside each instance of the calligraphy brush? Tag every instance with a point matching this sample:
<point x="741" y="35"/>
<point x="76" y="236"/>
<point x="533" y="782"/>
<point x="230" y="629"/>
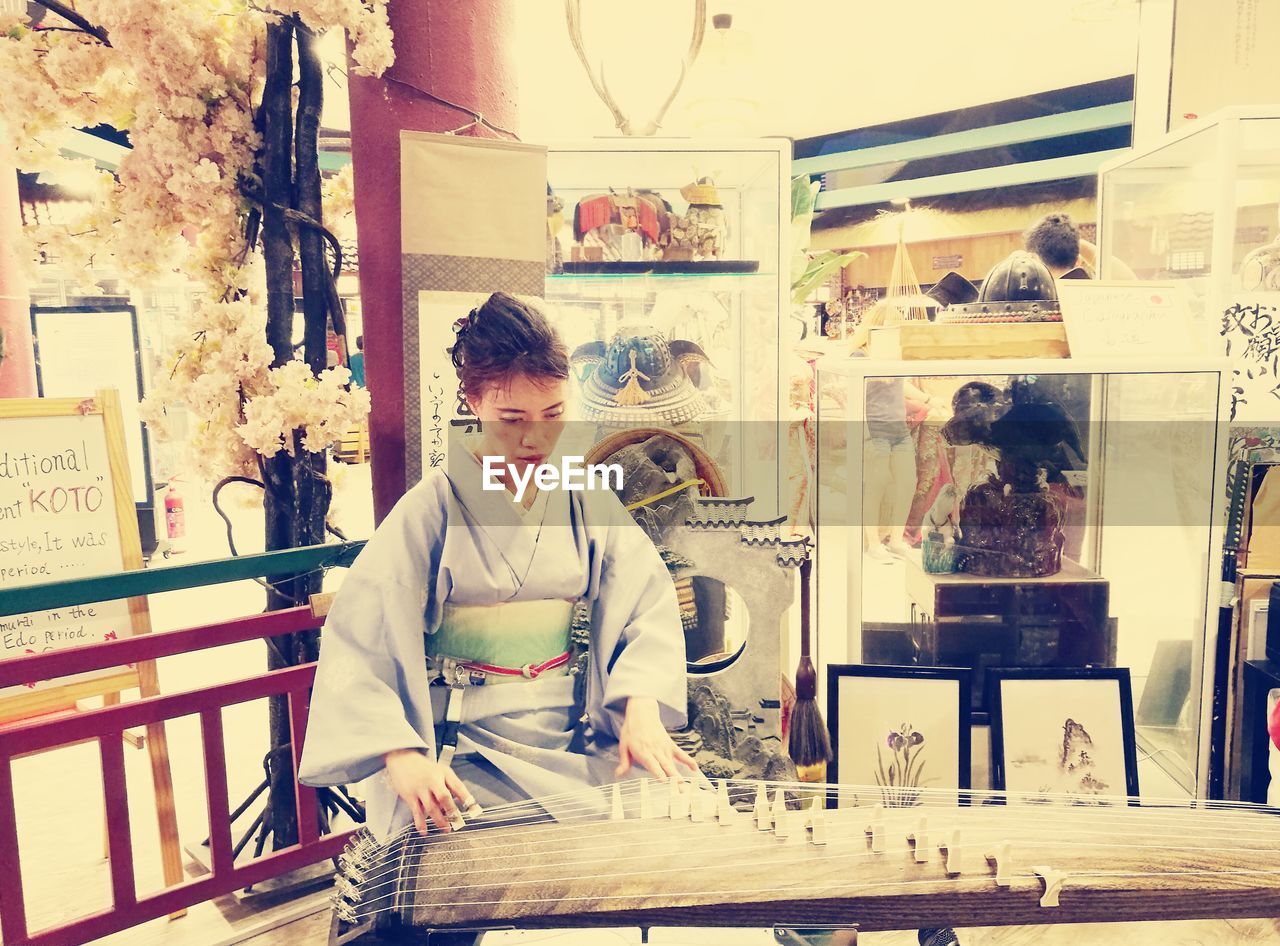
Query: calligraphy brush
<point x="808" y="742"/>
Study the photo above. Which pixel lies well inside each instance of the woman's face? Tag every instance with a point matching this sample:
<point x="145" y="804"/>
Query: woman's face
<point x="522" y="420"/>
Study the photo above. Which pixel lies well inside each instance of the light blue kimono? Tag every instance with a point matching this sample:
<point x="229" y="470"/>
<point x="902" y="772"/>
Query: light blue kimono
<point x="450" y="540"/>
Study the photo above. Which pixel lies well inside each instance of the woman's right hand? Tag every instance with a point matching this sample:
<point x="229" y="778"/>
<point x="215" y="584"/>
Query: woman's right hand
<point x="427" y="787"/>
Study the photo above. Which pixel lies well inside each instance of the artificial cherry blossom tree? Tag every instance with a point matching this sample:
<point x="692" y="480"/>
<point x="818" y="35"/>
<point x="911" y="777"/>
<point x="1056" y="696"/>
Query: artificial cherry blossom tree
<point x="221" y="101"/>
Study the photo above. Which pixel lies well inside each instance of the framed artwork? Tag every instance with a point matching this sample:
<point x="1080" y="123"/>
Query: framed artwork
<point x="1062" y="731"/>
<point x="902" y="732"/>
<point x="1260" y="530"/>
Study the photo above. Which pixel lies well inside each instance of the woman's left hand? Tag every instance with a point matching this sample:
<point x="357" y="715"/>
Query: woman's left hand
<point x="645" y="741"/>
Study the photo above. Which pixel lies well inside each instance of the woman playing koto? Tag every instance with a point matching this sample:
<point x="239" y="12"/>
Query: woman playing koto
<point x="462" y="586"/>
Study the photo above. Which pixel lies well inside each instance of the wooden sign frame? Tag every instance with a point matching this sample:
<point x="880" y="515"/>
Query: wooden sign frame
<point x="110" y="683"/>
<point x="106" y="404"/>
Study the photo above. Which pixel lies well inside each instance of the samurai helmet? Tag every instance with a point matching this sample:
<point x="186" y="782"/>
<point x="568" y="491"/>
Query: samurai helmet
<point x="1019" y="277"/>
<point x="640" y="379"/>
<point x="1018" y="288"/>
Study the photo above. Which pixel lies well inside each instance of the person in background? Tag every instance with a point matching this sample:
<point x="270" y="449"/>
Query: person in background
<point x="355" y="362"/>
<point x="1056" y="239"/>
<point x="889" y="459"/>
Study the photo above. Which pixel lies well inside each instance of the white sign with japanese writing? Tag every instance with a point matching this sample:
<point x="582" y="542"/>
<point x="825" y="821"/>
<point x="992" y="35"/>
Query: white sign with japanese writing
<point x="1251" y="329"/>
<point x="1124" y="319"/>
<point x="443" y="409"/>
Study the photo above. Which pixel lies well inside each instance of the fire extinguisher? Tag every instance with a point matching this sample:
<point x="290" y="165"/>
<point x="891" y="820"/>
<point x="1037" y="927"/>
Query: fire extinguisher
<point x="175" y="518"/>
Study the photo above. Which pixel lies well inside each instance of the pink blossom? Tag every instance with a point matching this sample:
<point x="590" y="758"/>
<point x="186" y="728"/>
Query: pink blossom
<point x="184" y="78"/>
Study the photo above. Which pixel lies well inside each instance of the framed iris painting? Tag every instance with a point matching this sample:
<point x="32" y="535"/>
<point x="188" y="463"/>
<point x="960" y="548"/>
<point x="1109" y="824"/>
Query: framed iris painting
<point x="900" y="733"/>
<point x="1062" y="732"/>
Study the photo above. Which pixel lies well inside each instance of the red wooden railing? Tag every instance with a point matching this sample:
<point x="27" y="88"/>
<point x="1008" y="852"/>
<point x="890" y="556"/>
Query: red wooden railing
<point x="107" y="725"/>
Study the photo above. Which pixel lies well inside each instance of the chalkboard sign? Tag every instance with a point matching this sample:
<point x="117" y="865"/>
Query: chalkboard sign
<point x="66" y="510"/>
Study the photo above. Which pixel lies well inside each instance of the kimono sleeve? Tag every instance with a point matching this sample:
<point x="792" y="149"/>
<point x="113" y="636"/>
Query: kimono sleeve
<point x="637" y="607"/>
<point x="369" y="692"/>
<point x="359" y="705"/>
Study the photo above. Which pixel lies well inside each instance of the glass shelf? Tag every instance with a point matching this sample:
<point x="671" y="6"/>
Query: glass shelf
<point x="575" y="283"/>
<point x="693" y="274"/>
<point x="724" y="327"/>
<point x="1097" y="549"/>
<point x="699" y="268"/>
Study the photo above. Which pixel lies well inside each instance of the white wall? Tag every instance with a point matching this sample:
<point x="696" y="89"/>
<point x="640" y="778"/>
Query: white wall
<point x="820" y="65"/>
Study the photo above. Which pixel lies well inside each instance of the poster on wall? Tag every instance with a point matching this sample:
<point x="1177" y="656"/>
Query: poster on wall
<point x="1251" y="331"/>
<point x="84" y="348"/>
<point x="443" y="408"/>
<point x="473" y="221"/>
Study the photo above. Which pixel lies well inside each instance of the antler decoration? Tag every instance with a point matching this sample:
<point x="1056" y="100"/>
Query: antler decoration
<point x="573" y="15"/>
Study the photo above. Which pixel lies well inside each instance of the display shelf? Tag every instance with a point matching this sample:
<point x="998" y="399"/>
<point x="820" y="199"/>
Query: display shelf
<point x="558" y="283"/>
<point x="1194" y="208"/>
<point x="1133" y="496"/>
<point x="720" y="315"/>
<point x="718" y="267"/>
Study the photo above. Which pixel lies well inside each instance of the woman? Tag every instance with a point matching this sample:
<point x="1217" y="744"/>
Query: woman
<point x="451" y="633"/>
<point x="889" y="464"/>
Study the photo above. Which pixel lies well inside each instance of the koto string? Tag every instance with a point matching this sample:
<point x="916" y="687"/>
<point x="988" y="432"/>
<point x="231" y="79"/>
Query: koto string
<point x="985" y="878"/>
<point x="538" y="805"/>
<point x="835" y="790"/>
<point x="806" y="858"/>
<point x="1003" y="816"/>
<point x="832" y="788"/>
<point x="636" y="830"/>
<point x="995" y="829"/>
<point x="995" y="822"/>
<point x="1124" y="816"/>
<point x="1094" y="822"/>
<point x="773" y="888"/>
<point x="915" y="813"/>
<point x="595" y="806"/>
<point x="811" y="788"/>
<point x="686" y="893"/>
<point x="1006" y="814"/>
<point x="973" y="827"/>
<point x="594" y="803"/>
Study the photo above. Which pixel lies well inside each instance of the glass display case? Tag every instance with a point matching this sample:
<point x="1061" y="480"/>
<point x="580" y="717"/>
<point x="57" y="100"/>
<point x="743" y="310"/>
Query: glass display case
<point x="1038" y="513"/>
<point x="1197" y="205"/>
<point x="667" y="272"/>
<point x="1202" y="207"/>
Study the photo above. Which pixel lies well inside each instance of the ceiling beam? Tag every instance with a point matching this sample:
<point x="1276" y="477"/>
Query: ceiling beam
<point x="1081" y="121"/>
<point x="1006" y="175"/>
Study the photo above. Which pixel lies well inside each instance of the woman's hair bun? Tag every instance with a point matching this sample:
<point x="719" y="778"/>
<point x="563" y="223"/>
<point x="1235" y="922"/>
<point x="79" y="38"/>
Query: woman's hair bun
<point x="504" y="337"/>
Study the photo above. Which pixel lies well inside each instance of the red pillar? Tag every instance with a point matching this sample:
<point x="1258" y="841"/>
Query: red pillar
<point x="460" y="52"/>
<point x="18" y="368"/>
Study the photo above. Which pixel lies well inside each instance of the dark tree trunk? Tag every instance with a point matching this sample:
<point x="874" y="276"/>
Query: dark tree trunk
<point x="280" y="501"/>
<point x="277" y="185"/>
<point x="315" y="275"/>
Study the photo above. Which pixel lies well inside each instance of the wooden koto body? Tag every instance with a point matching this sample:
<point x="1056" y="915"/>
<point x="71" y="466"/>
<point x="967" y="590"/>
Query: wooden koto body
<point x="879" y="869"/>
